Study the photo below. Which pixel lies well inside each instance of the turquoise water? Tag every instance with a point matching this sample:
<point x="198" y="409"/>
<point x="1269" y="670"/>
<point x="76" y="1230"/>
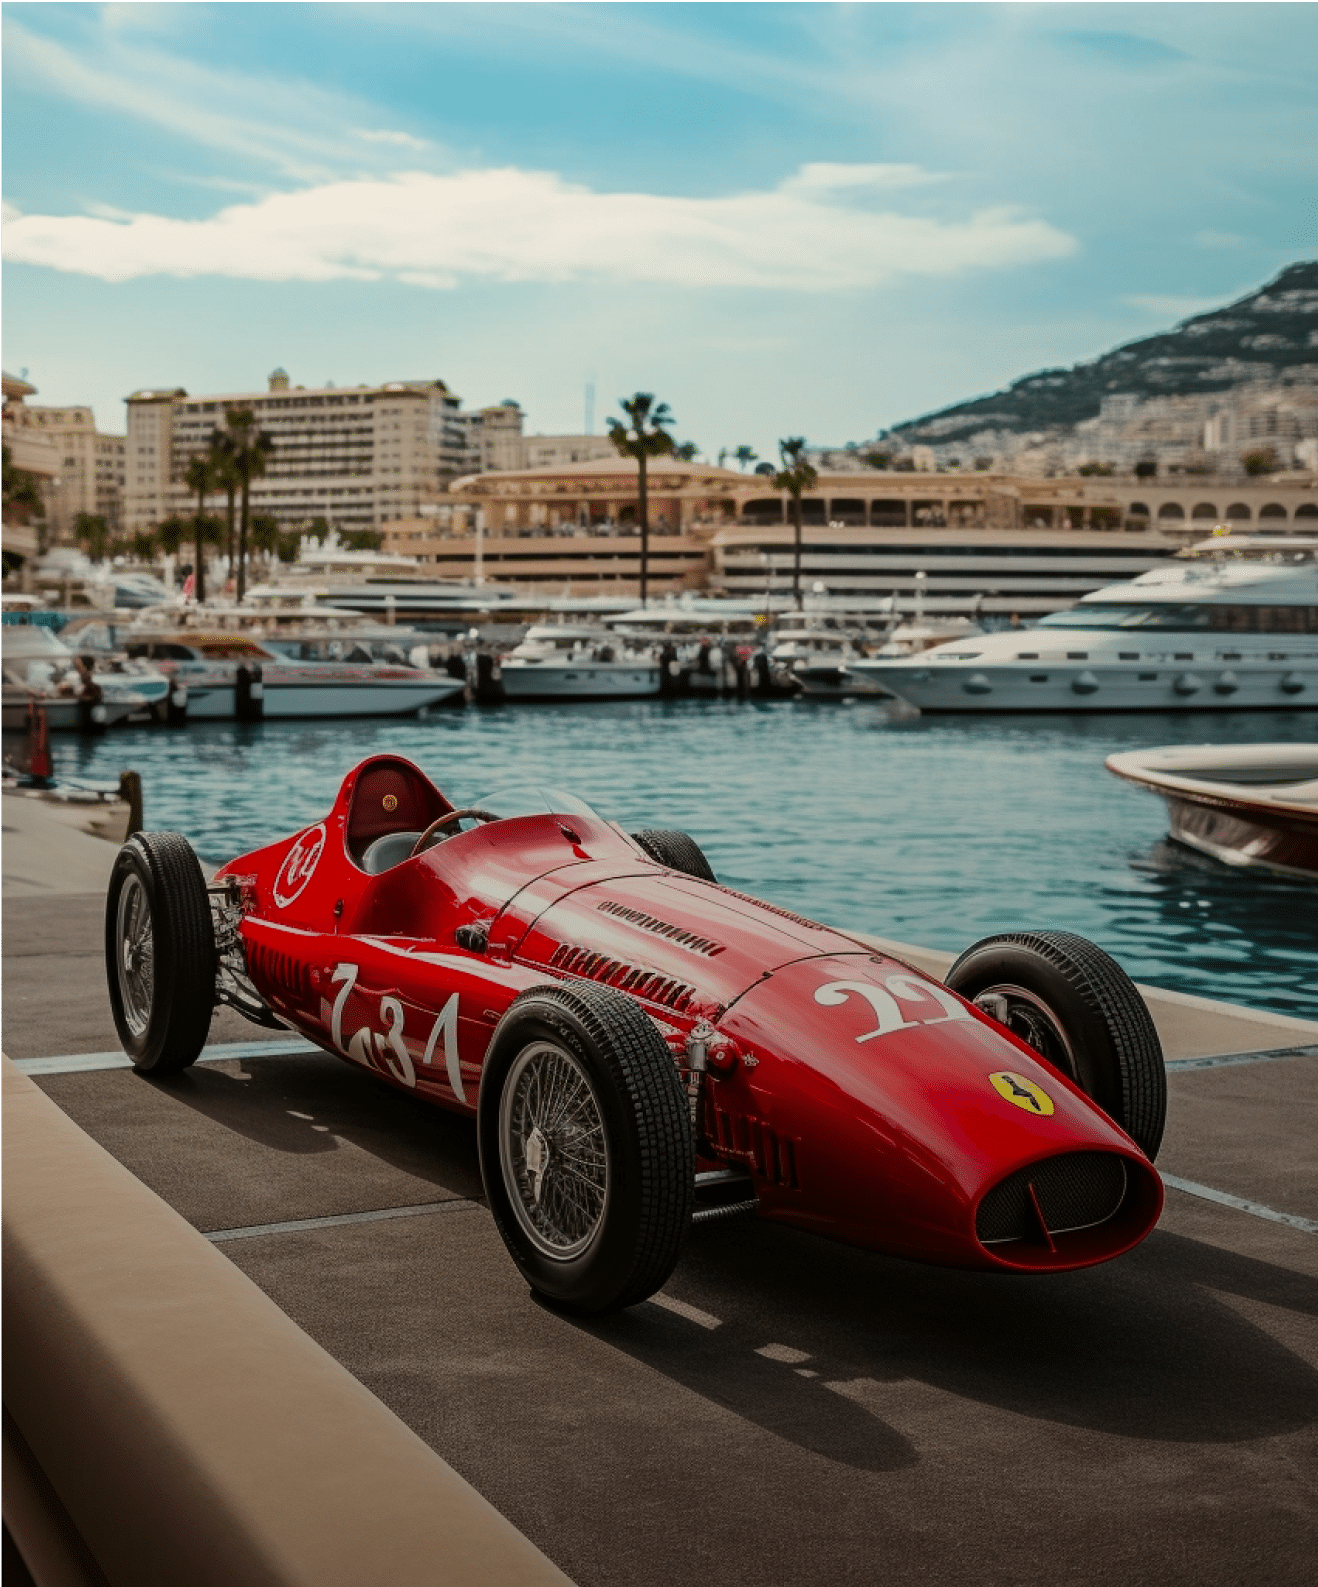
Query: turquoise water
<point x="934" y="831"/>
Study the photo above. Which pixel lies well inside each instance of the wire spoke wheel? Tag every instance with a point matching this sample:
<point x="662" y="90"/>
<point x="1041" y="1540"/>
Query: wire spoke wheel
<point x="160" y="956"/>
<point x="137" y="955"/>
<point x="1026" y="1015"/>
<point x="554" y="1150"/>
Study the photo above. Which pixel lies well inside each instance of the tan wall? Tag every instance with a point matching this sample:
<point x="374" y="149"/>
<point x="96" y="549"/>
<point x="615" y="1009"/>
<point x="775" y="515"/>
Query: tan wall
<point x="165" y="1418"/>
<point x="548" y="563"/>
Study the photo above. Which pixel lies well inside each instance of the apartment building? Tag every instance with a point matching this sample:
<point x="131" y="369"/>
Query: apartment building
<point x="496" y="443"/>
<point x="91" y="469"/>
<point x="358" y="456"/>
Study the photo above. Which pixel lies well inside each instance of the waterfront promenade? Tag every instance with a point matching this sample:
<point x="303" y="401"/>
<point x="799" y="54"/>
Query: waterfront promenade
<point x="787" y="1411"/>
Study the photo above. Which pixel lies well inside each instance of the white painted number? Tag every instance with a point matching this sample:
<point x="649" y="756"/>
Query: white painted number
<point x="448" y="1024"/>
<point x="387" y="1049"/>
<point x="884" y="1001"/>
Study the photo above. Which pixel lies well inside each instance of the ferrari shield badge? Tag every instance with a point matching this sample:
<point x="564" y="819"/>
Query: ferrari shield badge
<point x="1022" y="1093"/>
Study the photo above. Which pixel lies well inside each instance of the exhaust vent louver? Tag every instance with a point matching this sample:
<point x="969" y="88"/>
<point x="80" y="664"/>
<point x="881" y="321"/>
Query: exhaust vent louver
<point x="634" y="978"/>
<point x="1077" y="1190"/>
<point x="690" y="940"/>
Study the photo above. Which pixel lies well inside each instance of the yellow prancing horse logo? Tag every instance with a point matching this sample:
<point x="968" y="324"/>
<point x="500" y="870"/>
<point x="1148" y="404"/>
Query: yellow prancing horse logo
<point x="1022" y="1093"/>
<point x="390" y="802"/>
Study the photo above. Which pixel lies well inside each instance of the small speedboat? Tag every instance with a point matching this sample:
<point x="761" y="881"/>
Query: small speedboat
<point x="78" y="692"/>
<point x="1254" y="804"/>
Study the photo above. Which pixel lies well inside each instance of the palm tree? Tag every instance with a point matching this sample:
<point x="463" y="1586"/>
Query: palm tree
<point x="226" y="479"/>
<point x="643" y="436"/>
<point x="795" y="476"/>
<point x="199" y="476"/>
<point x="745" y="456"/>
<point x="249" y="448"/>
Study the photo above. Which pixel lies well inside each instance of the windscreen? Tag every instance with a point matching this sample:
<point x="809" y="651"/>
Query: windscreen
<point x="529" y="799"/>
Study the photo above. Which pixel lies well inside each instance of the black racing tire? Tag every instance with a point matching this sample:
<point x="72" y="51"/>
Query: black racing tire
<point x="1078" y="1009"/>
<point x="159" y="952"/>
<point x="606" y="1231"/>
<point x="676" y="850"/>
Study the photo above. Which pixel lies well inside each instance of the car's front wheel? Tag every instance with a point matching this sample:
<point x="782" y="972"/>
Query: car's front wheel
<point x="1076" y="1006"/>
<point x="159" y="952"/>
<point x="586" y="1147"/>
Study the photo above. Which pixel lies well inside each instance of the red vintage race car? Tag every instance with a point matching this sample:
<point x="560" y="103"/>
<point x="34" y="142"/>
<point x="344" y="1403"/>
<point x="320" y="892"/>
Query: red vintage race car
<point x="642" y="1048"/>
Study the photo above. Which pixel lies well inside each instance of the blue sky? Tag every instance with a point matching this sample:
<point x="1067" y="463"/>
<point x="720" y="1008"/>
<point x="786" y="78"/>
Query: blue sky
<point x="783" y="219"/>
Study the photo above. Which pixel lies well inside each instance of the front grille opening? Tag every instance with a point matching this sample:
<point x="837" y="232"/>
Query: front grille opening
<point x="1075" y="1191"/>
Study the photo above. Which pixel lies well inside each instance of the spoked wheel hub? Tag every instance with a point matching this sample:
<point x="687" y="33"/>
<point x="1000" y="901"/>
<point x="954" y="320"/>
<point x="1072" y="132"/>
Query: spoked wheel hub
<point x="1025" y="1014"/>
<point x="136" y="955"/>
<point x="553" y="1150"/>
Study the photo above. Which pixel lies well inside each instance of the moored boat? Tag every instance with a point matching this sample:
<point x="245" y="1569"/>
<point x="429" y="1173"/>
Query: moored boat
<point x="1232" y="625"/>
<point x="235" y="676"/>
<point x="78" y="692"/>
<point x="565" y="661"/>
<point x="1254" y="804"/>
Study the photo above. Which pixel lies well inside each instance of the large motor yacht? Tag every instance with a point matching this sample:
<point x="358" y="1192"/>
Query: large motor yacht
<point x="1231" y="624"/>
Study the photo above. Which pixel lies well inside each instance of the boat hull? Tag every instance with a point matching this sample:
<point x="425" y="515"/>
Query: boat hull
<point x="1253" y="804"/>
<point x="1242" y="834"/>
<point x="1288" y="685"/>
<point x="64" y="715"/>
<point x="582" y="681"/>
<point x="218" y="701"/>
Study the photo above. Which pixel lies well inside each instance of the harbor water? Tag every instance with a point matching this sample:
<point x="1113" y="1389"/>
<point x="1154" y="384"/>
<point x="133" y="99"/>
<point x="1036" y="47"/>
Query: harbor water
<point x="935" y="831"/>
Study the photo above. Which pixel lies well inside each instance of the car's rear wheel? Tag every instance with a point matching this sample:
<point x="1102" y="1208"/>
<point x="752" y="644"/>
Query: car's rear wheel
<point x="676" y="850"/>
<point x="1077" y="1007"/>
<point x="586" y="1148"/>
<point x="159" y="952"/>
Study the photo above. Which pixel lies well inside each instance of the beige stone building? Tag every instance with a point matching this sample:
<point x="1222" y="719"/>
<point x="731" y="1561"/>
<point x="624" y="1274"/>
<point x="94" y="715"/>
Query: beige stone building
<point x="91" y="469"/>
<point x="496" y="443"/>
<point x="866" y="532"/>
<point x="358" y="456"/>
<point x="31" y="450"/>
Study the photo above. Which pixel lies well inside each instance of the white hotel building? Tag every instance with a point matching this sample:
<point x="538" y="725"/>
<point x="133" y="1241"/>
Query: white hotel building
<point x="358" y="456"/>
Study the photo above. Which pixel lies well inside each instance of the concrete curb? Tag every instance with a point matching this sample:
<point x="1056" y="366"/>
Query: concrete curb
<point x="188" y="1430"/>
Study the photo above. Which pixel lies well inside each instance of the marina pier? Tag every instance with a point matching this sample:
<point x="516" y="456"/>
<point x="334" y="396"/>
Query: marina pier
<point x="788" y="1408"/>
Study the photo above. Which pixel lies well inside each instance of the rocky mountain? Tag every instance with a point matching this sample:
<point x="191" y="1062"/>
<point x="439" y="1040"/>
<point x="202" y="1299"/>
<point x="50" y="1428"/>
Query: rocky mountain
<point x="1270" y="335"/>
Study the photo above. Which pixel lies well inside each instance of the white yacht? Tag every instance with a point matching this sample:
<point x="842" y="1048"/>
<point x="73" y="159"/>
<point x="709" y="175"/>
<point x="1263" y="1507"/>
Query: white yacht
<point x="235" y="676"/>
<point x="566" y="661"/>
<point x="1232" y="624"/>
<point x="40" y="668"/>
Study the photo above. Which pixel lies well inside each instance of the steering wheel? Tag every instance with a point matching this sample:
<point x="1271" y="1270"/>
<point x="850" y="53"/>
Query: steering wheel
<point x="432" y="833"/>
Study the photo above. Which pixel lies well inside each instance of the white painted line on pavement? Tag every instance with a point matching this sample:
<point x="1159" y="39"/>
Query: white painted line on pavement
<point x="1254" y="1208"/>
<point x="1227" y="1059"/>
<point x="784" y="1353"/>
<point x="691" y="1313"/>
<point x="296" y="1225"/>
<point x="75" y="1063"/>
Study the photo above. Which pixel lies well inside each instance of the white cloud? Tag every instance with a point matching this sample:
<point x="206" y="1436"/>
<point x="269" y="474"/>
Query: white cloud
<point x="1172" y="307"/>
<point x="809" y="234"/>
<point x="289" y="125"/>
<point x="401" y="140"/>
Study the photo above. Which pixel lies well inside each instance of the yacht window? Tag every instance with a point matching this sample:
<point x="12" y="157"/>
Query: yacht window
<point x="1038" y="677"/>
<point x="1148" y="677"/>
<point x="1027" y="655"/>
<point x="1183" y="655"/>
<point x="1232" y="655"/>
<point x="1077" y="655"/>
<point x="1128" y="655"/>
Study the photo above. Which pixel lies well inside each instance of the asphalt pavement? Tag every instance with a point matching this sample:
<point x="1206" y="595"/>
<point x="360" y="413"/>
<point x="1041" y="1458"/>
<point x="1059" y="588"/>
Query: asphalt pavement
<point x="788" y="1411"/>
